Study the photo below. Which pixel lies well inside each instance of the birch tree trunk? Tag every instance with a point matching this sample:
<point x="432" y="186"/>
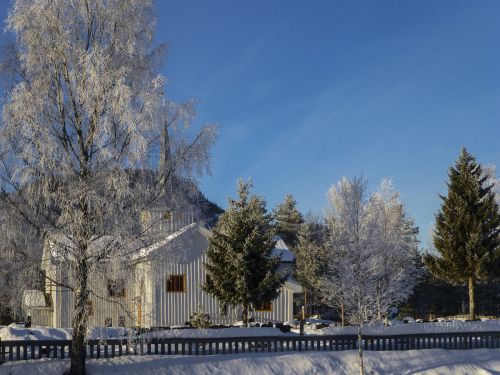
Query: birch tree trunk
<point x="342" y="314"/>
<point x="79" y="323"/>
<point x="360" y="352"/>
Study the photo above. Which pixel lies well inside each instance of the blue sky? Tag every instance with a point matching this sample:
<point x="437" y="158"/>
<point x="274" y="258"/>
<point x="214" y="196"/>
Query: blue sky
<point x="307" y="92"/>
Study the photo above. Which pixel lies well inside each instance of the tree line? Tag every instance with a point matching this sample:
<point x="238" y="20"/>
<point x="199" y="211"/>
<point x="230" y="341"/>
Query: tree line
<point x="363" y="257"/>
<point x="465" y="251"/>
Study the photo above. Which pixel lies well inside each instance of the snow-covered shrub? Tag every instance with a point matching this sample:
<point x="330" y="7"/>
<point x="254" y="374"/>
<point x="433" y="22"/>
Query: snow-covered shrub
<point x="200" y="319"/>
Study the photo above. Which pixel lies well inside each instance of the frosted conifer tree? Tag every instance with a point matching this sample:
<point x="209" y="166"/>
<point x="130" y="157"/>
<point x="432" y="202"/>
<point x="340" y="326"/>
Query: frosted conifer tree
<point x="82" y="124"/>
<point x="240" y="260"/>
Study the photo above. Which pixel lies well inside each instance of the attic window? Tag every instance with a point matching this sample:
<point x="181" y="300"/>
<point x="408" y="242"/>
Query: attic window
<point x="145" y="217"/>
<point x="264" y="307"/>
<point x="176" y="283"/>
<point x="116" y="288"/>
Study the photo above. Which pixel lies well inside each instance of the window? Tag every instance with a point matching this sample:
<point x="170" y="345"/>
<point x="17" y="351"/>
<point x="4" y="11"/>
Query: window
<point x="121" y="321"/>
<point x="208" y="279"/>
<point x="116" y="288"/>
<point x="108" y="322"/>
<point x="145" y="217"/>
<point x="176" y="283"/>
<point x="264" y="307"/>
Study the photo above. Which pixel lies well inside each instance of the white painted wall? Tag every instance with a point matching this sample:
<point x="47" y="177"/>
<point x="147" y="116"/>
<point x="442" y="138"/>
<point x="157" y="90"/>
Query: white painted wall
<point x="185" y="254"/>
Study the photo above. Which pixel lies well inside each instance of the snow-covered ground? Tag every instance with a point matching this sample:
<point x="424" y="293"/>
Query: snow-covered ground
<point x="436" y="327"/>
<point x="222" y="332"/>
<point x="19" y="332"/>
<point x="432" y="361"/>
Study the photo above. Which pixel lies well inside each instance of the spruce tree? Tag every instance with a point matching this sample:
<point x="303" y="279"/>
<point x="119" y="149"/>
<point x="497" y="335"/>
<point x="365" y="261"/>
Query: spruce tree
<point x="310" y="258"/>
<point x="240" y="264"/>
<point x="467" y="228"/>
<point x="288" y="221"/>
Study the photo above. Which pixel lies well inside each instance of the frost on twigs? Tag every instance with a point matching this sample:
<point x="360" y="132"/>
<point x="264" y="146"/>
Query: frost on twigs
<point x="88" y="141"/>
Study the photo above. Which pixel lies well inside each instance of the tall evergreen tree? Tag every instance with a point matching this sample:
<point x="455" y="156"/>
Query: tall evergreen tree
<point x="310" y="258"/>
<point x="240" y="262"/>
<point x="288" y="221"/>
<point x="467" y="228"/>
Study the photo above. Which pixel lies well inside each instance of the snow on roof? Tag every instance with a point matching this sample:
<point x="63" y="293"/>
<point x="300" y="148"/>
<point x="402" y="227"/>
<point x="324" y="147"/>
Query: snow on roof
<point x="56" y="241"/>
<point x="282" y="249"/>
<point x="293" y="286"/>
<point x="59" y="243"/>
<point x="33" y="298"/>
<point x="148" y="250"/>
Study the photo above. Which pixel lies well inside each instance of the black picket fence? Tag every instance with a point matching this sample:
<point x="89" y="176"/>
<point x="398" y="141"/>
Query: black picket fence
<point x="16" y="350"/>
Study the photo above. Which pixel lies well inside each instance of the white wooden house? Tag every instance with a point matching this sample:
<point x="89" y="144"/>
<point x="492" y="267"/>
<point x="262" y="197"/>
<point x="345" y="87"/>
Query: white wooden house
<point x="162" y="288"/>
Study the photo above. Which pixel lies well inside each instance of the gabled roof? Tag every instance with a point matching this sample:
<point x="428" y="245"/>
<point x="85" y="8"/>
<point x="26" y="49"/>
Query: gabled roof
<point x="293" y="285"/>
<point x="150" y="249"/>
<point x="282" y="249"/>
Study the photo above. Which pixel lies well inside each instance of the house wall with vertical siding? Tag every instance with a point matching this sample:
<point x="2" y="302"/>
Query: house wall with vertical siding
<point x="185" y="255"/>
<point x="146" y="290"/>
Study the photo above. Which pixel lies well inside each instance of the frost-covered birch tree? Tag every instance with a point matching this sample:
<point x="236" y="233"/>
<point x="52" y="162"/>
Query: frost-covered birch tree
<point x="396" y="242"/>
<point x="82" y="125"/>
<point x="363" y="234"/>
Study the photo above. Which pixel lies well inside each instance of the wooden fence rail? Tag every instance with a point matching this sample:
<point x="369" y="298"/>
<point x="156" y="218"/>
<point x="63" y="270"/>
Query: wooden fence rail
<point x="36" y="349"/>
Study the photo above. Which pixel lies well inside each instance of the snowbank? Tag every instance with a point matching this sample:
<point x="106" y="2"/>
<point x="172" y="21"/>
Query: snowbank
<point x="19" y="332"/>
<point x="433" y="361"/>
<point x="311" y="321"/>
<point x="97" y="333"/>
<point x="221" y="332"/>
<point x="437" y="327"/>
